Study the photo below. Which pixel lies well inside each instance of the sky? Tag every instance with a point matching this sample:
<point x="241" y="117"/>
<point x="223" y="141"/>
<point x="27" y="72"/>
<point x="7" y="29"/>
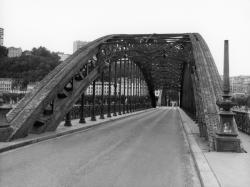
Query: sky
<point x="55" y="24"/>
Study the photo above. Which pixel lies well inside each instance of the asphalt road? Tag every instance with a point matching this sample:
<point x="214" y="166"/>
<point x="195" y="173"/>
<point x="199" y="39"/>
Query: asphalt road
<point x="145" y="150"/>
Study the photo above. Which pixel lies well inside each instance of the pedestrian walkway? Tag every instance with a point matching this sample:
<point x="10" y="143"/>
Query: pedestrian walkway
<point x="230" y="169"/>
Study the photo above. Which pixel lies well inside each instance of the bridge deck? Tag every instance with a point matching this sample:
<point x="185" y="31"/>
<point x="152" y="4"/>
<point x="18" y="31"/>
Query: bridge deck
<point x="144" y="150"/>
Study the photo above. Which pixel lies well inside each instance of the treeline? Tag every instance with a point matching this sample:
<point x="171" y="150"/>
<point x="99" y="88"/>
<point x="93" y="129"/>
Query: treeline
<point x="8" y="97"/>
<point x="243" y="100"/>
<point x="28" y="68"/>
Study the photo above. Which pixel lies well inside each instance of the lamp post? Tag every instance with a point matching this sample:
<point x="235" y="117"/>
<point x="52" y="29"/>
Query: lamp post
<point x="226" y="135"/>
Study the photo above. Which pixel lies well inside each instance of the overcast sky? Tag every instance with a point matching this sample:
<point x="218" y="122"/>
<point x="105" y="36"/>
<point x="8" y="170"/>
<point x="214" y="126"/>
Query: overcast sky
<point x="55" y="24"/>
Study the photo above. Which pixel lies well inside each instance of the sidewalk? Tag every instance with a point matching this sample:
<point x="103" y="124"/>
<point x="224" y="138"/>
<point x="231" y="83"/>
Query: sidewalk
<point x="62" y="130"/>
<point x="218" y="168"/>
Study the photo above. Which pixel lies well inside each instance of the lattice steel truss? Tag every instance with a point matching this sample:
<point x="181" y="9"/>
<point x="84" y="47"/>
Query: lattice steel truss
<point x="178" y="62"/>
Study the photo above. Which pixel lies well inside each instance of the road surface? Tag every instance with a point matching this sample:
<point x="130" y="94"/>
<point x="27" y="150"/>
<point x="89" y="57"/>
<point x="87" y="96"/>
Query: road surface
<point x="145" y="150"/>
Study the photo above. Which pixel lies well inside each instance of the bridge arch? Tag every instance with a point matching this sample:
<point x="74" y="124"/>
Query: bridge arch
<point x="181" y="62"/>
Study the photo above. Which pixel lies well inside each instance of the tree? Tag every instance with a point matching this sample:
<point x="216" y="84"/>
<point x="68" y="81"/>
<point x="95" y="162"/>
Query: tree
<point x="42" y="51"/>
<point x="29" y="68"/>
<point x="248" y="101"/>
<point x="240" y="100"/>
<point x="3" y="52"/>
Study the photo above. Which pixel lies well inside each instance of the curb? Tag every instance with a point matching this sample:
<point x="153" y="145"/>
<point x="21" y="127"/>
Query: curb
<point x="59" y="134"/>
<point x="205" y="173"/>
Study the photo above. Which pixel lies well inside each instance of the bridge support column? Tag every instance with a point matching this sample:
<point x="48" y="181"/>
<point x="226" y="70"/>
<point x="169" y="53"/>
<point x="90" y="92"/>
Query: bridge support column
<point x="109" y="91"/>
<point x="68" y="120"/>
<point x="120" y="87"/>
<point x="134" y="88"/>
<point x="102" y="97"/>
<point x="128" y="87"/>
<point x="142" y="95"/>
<point x="82" y="115"/>
<point x="124" y="87"/>
<point x="140" y="92"/>
<point x="115" y="89"/>
<point x="93" y="118"/>
<point x="137" y="88"/>
<point x="127" y="84"/>
<point x="226" y="136"/>
<point x="131" y="93"/>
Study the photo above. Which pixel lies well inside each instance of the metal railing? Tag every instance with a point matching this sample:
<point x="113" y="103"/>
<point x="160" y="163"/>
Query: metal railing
<point x="76" y="110"/>
<point x="242" y="120"/>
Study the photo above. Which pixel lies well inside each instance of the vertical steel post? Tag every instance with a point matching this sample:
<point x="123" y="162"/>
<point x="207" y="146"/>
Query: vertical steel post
<point x="120" y="87"/>
<point x="127" y="82"/>
<point x="143" y="95"/>
<point x="124" y="86"/>
<point x="109" y="91"/>
<point x="134" y="90"/>
<point x="93" y="118"/>
<point x="87" y="69"/>
<point x="181" y="94"/>
<point x="102" y="97"/>
<point x="84" y="71"/>
<point x="68" y="120"/>
<point x="115" y="89"/>
<point x="131" y="91"/>
<point x="137" y="88"/>
<point x="139" y="81"/>
<point x="82" y="116"/>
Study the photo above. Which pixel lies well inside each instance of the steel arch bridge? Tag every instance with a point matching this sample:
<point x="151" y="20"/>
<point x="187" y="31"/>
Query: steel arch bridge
<point x="180" y="63"/>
